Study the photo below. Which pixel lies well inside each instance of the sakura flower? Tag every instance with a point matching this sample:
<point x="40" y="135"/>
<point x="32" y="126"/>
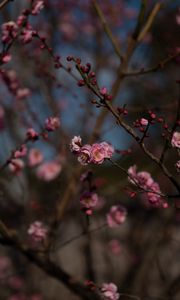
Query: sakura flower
<point x="9" y="31"/>
<point x="178" y="17"/>
<point x="143" y="122"/>
<point x="144" y="181"/>
<point x="6" y="58"/>
<point x="27" y="35"/>
<point x="175" y="142"/>
<point x="49" y="170"/>
<point x="109" y="149"/>
<point x="37" y="7"/>
<point x="84" y="154"/>
<point x="103" y="91"/>
<point x="98" y="153"/>
<point x="89" y="201"/>
<point x="35" y="157"/>
<point x="109" y="291"/>
<point x="52" y="123"/>
<point x="75" y="145"/>
<point x="32" y="134"/>
<point x="16" y="165"/>
<point x="116" y="216"/>
<point x="21" y="152"/>
<point x="37" y="231"/>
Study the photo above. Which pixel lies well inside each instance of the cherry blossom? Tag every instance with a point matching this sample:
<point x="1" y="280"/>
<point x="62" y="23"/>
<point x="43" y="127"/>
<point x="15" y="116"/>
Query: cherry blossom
<point x="37" y="7"/>
<point x="89" y="201"/>
<point x="75" y="145"/>
<point x="37" y="231"/>
<point x="16" y="165"/>
<point x="20" y="152"/>
<point x="175" y="142"/>
<point x="32" y="134"/>
<point x="109" y="291"/>
<point x="35" y="157"/>
<point x="84" y="154"/>
<point x="49" y="170"/>
<point x="116" y="216"/>
<point x="52" y="123"/>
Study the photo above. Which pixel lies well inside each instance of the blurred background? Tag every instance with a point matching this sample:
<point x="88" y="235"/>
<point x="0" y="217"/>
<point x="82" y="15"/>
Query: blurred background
<point x="141" y="256"/>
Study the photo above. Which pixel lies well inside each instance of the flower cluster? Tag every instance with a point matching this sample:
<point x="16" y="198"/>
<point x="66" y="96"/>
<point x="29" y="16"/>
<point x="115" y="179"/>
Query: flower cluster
<point x="89" y="201"/>
<point x="109" y="291"/>
<point x="116" y="216"/>
<point x="38" y="231"/>
<point x="144" y="181"/>
<point x="95" y="153"/>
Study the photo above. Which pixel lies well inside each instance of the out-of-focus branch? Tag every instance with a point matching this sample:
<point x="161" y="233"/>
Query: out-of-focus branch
<point x="10" y="238"/>
<point x="3" y="3"/>
<point x="149" y="21"/>
<point x="107" y="29"/>
<point x="156" y="68"/>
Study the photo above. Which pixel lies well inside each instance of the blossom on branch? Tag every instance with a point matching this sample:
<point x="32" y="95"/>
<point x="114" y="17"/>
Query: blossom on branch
<point x="109" y="291"/>
<point x="116" y="216"/>
<point x="175" y="142"/>
<point x="37" y="231"/>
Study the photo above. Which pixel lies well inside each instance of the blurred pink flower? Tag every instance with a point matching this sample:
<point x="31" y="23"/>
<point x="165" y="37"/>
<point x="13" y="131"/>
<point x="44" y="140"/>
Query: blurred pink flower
<point x="143" y="122"/>
<point x="9" y="31"/>
<point x="16" y="165"/>
<point x="21" y="152"/>
<point x="175" y="142"/>
<point x="38" y="231"/>
<point x="35" y="157"/>
<point x="89" y="200"/>
<point x="37" y="7"/>
<point x="116" y="216"/>
<point x="75" y="145"/>
<point x="109" y="291"/>
<point x="49" y="170"/>
<point x="52" y="123"/>
<point x="32" y="134"/>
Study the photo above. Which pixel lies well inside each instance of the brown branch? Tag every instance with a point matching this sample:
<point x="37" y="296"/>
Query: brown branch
<point x="159" y="66"/>
<point x="10" y="238"/>
<point x="5" y="2"/>
<point x="107" y="29"/>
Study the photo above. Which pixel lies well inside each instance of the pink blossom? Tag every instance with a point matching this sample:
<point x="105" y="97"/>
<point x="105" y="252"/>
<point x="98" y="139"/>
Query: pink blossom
<point x="143" y="122"/>
<point x="35" y="157"/>
<point x="175" y="142"/>
<point x="37" y="231"/>
<point x="9" y="31"/>
<point x="52" y="123"/>
<point x="98" y="153"/>
<point x="6" y="58"/>
<point x="32" y="134"/>
<point x="16" y="165"/>
<point x="49" y="170"/>
<point x="20" y="152"/>
<point x="146" y="182"/>
<point x="22" y="93"/>
<point x="21" y="19"/>
<point x="84" y="154"/>
<point x="37" y="7"/>
<point x="27" y="35"/>
<point x="109" y="291"/>
<point x="75" y="145"/>
<point x="178" y="17"/>
<point x="108" y="148"/>
<point x="89" y="201"/>
<point x="103" y="91"/>
<point x="116" y="216"/>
